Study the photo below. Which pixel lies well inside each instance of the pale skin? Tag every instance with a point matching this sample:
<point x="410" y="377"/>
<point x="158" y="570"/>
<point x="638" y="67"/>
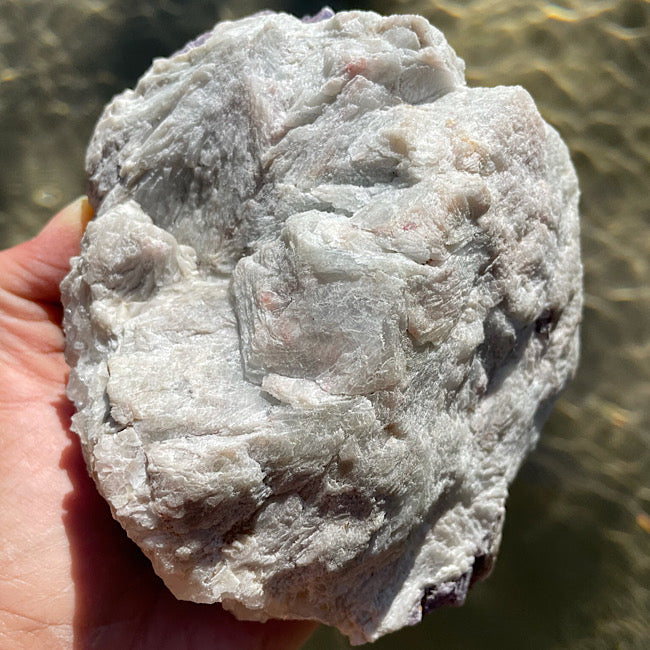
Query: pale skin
<point x="69" y="576"/>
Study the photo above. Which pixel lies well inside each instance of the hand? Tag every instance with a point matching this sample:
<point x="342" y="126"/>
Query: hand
<point x="69" y="576"/>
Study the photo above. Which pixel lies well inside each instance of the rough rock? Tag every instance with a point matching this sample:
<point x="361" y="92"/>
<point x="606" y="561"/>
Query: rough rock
<point x="326" y="303"/>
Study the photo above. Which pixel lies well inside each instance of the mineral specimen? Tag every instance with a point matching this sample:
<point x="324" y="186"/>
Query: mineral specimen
<point x="327" y="301"/>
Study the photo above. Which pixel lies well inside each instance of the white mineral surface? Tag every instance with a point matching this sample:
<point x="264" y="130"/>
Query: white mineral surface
<point x="326" y="303"/>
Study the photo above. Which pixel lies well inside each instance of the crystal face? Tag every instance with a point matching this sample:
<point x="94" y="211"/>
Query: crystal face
<point x="326" y="303"/>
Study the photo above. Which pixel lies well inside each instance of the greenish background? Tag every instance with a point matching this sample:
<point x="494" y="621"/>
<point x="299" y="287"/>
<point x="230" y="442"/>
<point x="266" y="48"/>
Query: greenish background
<point x="574" y="567"/>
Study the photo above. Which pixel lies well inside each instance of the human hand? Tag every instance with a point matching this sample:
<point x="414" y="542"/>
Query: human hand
<point x="69" y="576"/>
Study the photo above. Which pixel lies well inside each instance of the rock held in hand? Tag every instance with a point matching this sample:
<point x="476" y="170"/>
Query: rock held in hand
<point x="325" y="306"/>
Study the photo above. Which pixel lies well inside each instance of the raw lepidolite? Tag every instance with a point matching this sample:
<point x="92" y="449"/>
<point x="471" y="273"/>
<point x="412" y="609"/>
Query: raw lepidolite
<point x="325" y="306"/>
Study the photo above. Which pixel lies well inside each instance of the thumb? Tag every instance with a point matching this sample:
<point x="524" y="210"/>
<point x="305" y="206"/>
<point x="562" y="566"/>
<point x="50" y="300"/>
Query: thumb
<point x="34" y="269"/>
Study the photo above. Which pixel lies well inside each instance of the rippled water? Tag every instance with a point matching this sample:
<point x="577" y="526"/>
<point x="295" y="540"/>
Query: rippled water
<point x="574" y="568"/>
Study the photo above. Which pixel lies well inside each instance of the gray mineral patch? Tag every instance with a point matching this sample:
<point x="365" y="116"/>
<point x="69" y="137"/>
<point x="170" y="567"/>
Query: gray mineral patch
<point x="325" y="306"/>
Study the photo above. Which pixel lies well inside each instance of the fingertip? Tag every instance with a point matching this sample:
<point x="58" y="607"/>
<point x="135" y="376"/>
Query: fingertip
<point x="34" y="269"/>
<point x="69" y="223"/>
<point x="81" y="212"/>
<point x="60" y="239"/>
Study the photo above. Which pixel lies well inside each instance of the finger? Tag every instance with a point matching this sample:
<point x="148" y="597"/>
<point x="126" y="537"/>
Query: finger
<point x="34" y="269"/>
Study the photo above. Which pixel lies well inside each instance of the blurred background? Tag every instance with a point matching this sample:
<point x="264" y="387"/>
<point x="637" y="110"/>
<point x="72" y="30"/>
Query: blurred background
<point x="574" y="567"/>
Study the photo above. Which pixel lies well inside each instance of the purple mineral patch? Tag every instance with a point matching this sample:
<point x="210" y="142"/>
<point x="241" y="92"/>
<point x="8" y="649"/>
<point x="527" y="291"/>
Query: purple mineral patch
<point x="199" y="40"/>
<point x="450" y="594"/>
<point x="324" y="14"/>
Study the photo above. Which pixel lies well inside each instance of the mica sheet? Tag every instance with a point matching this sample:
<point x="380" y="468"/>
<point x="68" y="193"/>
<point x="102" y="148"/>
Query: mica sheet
<point x="573" y="569"/>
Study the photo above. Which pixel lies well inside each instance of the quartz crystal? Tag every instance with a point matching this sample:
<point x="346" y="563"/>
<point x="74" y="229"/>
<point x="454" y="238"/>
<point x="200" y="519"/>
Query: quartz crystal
<point x="325" y="306"/>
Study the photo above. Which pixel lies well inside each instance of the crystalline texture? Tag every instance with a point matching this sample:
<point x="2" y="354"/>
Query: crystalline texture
<point x="326" y="303"/>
